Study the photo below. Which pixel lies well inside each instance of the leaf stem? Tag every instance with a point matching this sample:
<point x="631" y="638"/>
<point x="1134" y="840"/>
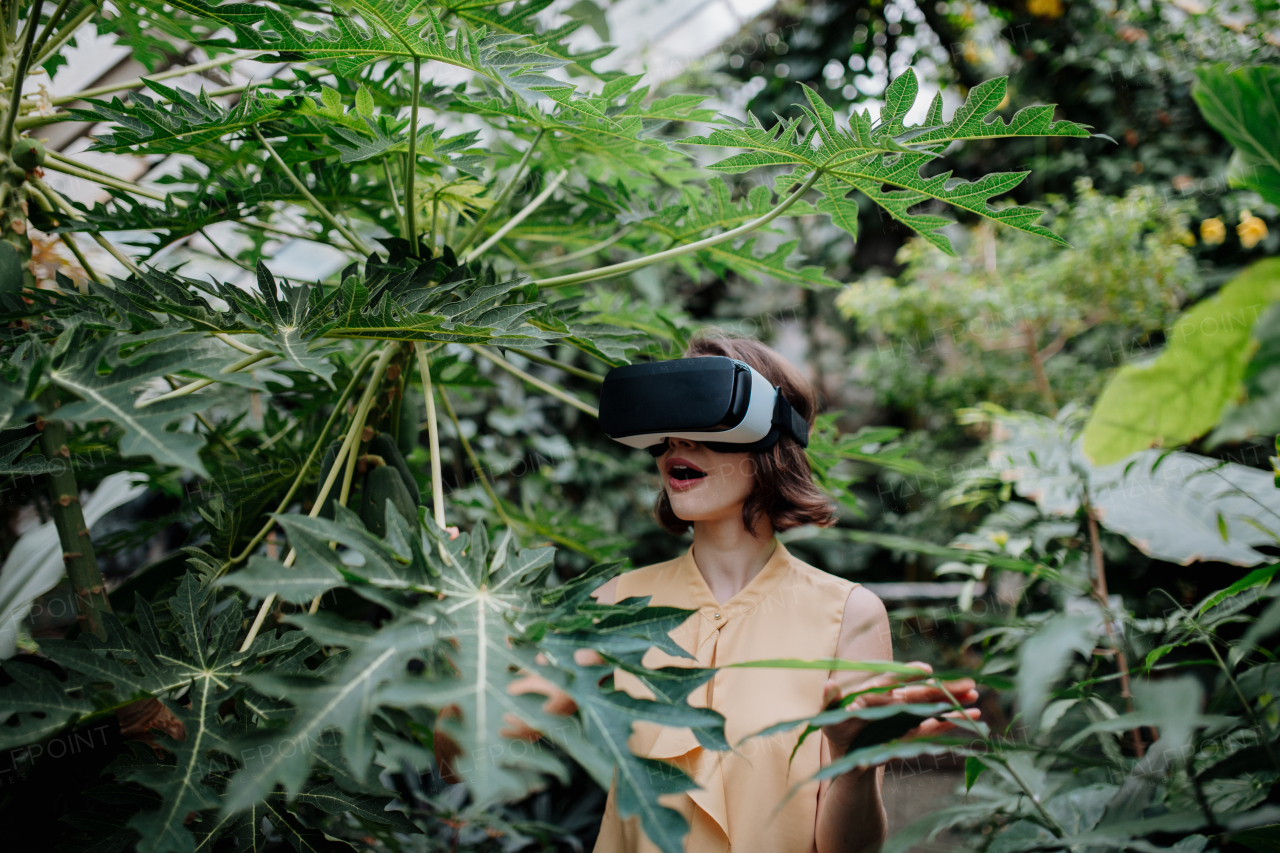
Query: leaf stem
<point x="538" y="383"/>
<point x="395" y="202"/>
<point x="519" y="217"/>
<point x="306" y="193"/>
<point x="139" y="82"/>
<point x="411" y="172"/>
<point x="503" y="196"/>
<point x="58" y="163"/>
<point x="357" y="425"/>
<point x="69" y="241"/>
<point x="433" y="436"/>
<point x="306" y="466"/>
<point x="64" y="35"/>
<point x="475" y="461"/>
<point x="49" y="25"/>
<point x="61" y="202"/>
<point x="191" y="388"/>
<point x="687" y="248"/>
<point x="567" y="368"/>
<point x="20" y="72"/>
<point x="581" y="253"/>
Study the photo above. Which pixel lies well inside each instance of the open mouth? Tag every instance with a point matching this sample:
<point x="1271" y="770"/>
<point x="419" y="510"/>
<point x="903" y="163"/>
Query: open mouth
<point x="682" y="473"/>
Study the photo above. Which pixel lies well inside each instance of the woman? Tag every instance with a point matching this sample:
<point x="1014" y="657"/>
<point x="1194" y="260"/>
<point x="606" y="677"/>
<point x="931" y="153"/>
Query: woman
<point x="755" y="601"/>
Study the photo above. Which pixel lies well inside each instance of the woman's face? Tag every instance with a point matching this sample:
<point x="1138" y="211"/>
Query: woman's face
<point x="704" y="485"/>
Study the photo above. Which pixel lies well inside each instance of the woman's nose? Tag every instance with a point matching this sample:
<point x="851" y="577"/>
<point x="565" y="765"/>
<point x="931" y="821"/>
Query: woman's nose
<point x="682" y="443"/>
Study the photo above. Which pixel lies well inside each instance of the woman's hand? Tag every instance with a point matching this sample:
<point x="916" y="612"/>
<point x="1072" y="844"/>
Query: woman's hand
<point x="840" y="735"/>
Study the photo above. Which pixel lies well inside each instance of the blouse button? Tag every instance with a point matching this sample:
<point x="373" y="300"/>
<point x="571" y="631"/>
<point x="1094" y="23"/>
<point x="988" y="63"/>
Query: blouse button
<point x="717" y="615"/>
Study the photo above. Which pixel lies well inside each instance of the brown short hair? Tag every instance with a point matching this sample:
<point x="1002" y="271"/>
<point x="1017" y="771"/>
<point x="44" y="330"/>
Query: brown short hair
<point x="784" y="491"/>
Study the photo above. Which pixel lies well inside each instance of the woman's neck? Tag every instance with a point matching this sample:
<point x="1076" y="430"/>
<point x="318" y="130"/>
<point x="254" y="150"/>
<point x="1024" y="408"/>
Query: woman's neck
<point x="728" y="556"/>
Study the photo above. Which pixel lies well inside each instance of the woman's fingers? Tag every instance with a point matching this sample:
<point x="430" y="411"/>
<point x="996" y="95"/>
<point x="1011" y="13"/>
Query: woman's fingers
<point x="518" y="729"/>
<point x="936" y="726"/>
<point x="558" y="702"/>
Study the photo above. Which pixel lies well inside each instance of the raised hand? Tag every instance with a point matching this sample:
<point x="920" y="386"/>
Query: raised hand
<point x="902" y="692"/>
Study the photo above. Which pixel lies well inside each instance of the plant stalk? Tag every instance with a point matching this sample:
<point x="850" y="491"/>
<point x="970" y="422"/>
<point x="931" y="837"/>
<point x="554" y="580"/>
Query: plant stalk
<point x="1100" y="594"/>
<point x="411" y="171"/>
<point x="567" y="368"/>
<point x="581" y="253"/>
<point x="433" y="436"/>
<point x="20" y="71"/>
<point x="139" y="82"/>
<point x="68" y="517"/>
<point x="395" y="202"/>
<point x="519" y="217"/>
<point x="54" y="18"/>
<point x="306" y="466"/>
<point x="687" y="248"/>
<point x="357" y="425"/>
<point x="306" y="193"/>
<point x="501" y="200"/>
<point x="538" y="383"/>
<point x="64" y="35"/>
<point x="61" y="202"/>
<point x="475" y="462"/>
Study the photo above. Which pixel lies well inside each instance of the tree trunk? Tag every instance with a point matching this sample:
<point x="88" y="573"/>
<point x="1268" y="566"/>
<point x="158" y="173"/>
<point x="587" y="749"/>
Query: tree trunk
<point x="68" y="518"/>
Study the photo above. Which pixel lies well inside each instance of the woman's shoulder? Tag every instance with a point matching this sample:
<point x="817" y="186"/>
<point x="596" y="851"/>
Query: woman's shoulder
<point x="641" y="578"/>
<point x="827" y="583"/>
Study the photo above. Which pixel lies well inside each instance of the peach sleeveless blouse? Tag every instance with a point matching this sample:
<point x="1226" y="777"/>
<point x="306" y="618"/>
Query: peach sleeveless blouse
<point x="789" y="610"/>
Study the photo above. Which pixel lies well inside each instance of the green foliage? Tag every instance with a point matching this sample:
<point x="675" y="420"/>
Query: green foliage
<point x="316" y="689"/>
<point x="867" y="158"/>
<point x="1241" y="104"/>
<point x="1182" y="394"/>
<point x="949" y="331"/>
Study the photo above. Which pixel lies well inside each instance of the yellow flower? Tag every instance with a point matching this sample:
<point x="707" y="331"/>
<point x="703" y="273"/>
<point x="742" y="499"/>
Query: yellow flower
<point x="1212" y="231"/>
<point x="1186" y="238"/>
<point x="1251" y="229"/>
<point x="1000" y="538"/>
<point x="1045" y="8"/>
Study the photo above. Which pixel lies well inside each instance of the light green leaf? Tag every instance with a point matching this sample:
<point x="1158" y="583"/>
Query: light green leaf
<point x="1181" y="394"/>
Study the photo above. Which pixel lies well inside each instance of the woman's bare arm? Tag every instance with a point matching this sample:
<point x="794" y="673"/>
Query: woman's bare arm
<point x="851" y="816"/>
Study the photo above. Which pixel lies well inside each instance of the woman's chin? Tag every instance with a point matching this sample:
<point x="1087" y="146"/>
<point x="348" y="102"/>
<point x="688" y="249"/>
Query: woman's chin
<point x="694" y="507"/>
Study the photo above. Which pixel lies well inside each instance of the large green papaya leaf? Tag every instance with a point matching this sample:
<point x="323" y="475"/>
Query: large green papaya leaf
<point x="1181" y="394"/>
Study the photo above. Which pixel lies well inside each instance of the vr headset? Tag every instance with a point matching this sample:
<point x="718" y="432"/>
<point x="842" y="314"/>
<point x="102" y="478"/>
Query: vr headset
<point x="721" y="402"/>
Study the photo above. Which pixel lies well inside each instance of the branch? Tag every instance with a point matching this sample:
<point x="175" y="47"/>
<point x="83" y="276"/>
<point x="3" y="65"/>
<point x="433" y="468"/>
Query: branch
<point x="475" y="461"/>
<point x="433" y="436"/>
<point x="306" y="193"/>
<point x="20" y="72"/>
<point x="67" y="166"/>
<point x="64" y="35"/>
<point x="138" y="82"/>
<point x="538" y="383"/>
<point x="519" y="217"/>
<point x="581" y="253"/>
<point x="567" y="368"/>
<point x="357" y="426"/>
<point x="688" y="248"/>
<point x="50" y="194"/>
<point x="410" y="197"/>
<point x="306" y="466"/>
<point x="49" y="25"/>
<point x="503" y="196"/>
